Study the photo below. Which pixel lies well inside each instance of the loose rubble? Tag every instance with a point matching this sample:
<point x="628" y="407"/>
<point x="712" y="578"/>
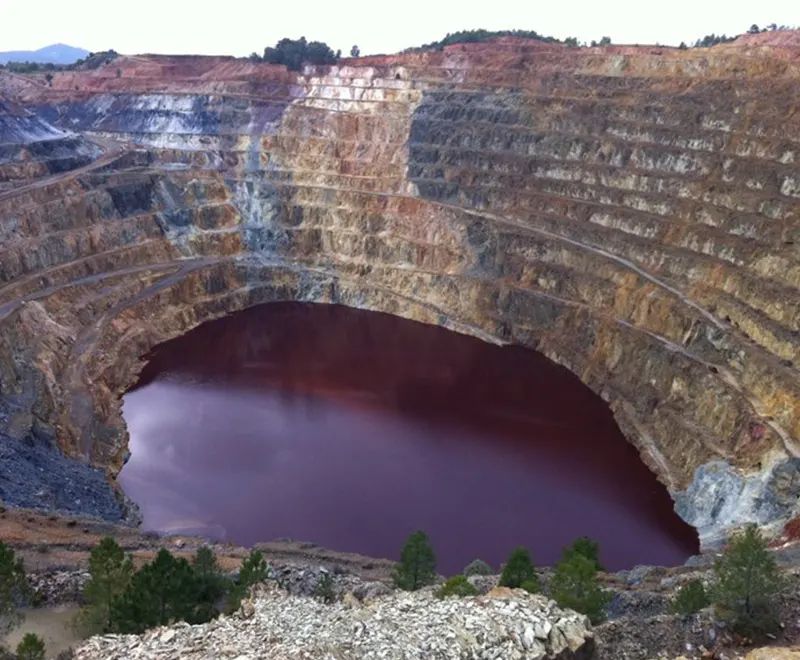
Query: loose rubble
<point x="57" y="587"/>
<point x="273" y="624"/>
<point x="35" y="474"/>
<point x="303" y="581"/>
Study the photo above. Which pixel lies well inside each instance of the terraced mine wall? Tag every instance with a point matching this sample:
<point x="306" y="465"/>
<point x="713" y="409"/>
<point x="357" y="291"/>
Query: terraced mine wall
<point x="633" y="214"/>
<point x="32" y="149"/>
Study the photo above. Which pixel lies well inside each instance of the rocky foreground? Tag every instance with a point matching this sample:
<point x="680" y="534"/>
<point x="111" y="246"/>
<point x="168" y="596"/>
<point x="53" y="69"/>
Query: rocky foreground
<point x="502" y="625"/>
<point x="640" y="623"/>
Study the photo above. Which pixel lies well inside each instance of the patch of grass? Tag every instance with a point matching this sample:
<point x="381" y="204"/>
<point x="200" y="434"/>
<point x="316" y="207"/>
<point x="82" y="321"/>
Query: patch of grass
<point x="457" y="586"/>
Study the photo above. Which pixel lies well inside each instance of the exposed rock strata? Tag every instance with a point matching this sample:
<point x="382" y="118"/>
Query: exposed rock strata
<point x="31" y="148"/>
<point x="504" y="625"/>
<point x="633" y="214"/>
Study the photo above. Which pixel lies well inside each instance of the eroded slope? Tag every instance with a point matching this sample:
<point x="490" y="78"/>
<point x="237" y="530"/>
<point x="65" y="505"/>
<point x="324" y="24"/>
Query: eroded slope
<point x="31" y="148"/>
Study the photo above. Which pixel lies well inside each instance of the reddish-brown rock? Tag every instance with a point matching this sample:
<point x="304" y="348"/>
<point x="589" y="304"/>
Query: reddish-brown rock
<point x="632" y="213"/>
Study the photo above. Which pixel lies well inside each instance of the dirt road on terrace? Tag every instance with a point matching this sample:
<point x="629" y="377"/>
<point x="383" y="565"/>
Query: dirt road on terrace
<point x="48" y="541"/>
<point x="111" y="150"/>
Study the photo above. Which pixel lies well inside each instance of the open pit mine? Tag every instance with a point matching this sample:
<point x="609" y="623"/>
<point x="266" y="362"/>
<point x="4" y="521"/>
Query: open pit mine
<point x="631" y="213"/>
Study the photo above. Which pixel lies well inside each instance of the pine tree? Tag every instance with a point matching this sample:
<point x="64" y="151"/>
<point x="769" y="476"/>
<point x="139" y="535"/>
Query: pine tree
<point x="585" y="547"/>
<point x="210" y="586"/>
<point x="31" y="648"/>
<point x="162" y="592"/>
<point x="746" y="584"/>
<point x="14" y="589"/>
<point x="518" y="570"/>
<point x="254" y="569"/>
<point x="417" y="566"/>
<point x="574" y="585"/>
<point x="110" y="571"/>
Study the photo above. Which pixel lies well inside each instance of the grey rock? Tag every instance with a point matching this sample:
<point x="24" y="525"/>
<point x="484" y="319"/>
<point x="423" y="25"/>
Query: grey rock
<point x="55" y="586"/>
<point x="34" y="474"/>
<point x="407" y="626"/>
<point x="719" y="499"/>
<point x="700" y="561"/>
<point x="637" y="575"/>
<point x="484" y="583"/>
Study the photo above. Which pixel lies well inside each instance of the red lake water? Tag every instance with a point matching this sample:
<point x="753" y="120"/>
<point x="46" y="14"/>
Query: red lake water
<point x="351" y="429"/>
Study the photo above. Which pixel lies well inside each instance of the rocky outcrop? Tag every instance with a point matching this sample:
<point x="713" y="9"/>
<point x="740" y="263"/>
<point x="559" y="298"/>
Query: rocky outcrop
<point x="272" y="624"/>
<point x="632" y="213"/>
<point x="58" y="586"/>
<point x="31" y="148"/>
<point x="34" y="474"/>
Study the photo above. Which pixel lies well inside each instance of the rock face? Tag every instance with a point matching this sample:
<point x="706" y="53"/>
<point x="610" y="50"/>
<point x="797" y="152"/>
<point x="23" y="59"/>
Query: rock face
<point x="31" y="148"/>
<point x="503" y="625"/>
<point x="632" y="213"/>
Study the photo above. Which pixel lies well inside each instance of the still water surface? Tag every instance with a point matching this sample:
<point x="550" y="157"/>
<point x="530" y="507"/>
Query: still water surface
<point x="350" y="429"/>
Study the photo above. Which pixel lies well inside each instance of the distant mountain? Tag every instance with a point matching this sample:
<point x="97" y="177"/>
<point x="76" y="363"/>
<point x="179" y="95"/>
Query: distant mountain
<point x="55" y="54"/>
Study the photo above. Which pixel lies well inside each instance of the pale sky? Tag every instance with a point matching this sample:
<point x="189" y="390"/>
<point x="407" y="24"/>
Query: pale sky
<point x="239" y="27"/>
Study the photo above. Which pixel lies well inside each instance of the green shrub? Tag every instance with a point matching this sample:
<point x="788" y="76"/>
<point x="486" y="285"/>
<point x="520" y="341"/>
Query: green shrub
<point x="518" y="570"/>
<point x="691" y="598"/>
<point x="110" y="571"/>
<point x="31" y="648"/>
<point x="478" y="567"/>
<point x="457" y="586"/>
<point x="531" y="586"/>
<point x="293" y="53"/>
<point x="95" y="60"/>
<point x="478" y="36"/>
<point x="574" y="585"/>
<point x="161" y="593"/>
<point x="324" y="590"/>
<point x="254" y="569"/>
<point x="746" y="584"/>
<point x="14" y="589"/>
<point x="417" y="566"/>
<point x="585" y="547"/>
<point x="712" y="40"/>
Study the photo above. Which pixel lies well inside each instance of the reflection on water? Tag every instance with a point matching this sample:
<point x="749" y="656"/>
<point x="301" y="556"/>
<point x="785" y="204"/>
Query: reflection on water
<point x="351" y="429"/>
